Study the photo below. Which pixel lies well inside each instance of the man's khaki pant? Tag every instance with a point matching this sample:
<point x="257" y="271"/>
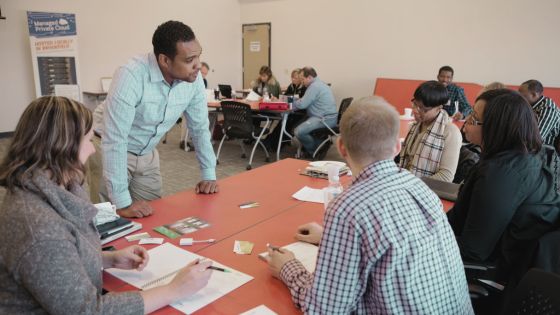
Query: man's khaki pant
<point x="144" y="176"/>
<point x="94" y="171"/>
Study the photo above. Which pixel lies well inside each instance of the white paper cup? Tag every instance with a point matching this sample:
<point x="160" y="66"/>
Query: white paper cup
<point x="408" y="112"/>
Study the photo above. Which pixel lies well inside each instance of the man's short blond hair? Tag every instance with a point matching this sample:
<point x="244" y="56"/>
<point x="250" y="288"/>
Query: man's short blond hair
<point x="369" y="129"/>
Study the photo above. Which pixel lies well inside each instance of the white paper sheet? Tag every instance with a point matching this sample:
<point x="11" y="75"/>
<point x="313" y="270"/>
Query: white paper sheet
<point x="310" y="194"/>
<point x="253" y="96"/>
<point x="165" y="261"/>
<point x="259" y="310"/>
<point x="306" y="253"/>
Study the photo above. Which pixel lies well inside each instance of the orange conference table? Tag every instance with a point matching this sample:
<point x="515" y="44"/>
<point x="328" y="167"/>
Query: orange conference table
<point x="274" y="221"/>
<point x="255" y="107"/>
<point x="271" y="185"/>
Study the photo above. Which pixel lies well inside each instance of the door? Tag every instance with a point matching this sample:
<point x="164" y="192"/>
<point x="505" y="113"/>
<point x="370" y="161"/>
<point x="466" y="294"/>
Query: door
<point x="256" y="51"/>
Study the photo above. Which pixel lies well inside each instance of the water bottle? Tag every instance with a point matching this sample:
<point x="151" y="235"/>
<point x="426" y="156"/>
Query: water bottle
<point x="265" y="95"/>
<point x="335" y="188"/>
<point x="217" y="94"/>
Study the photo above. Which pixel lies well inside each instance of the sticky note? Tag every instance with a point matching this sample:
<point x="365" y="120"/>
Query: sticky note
<point x="139" y="236"/>
<point x="154" y="240"/>
<point x="243" y="247"/>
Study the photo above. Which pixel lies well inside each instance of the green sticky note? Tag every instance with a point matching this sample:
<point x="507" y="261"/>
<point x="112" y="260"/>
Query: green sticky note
<point x="167" y="232"/>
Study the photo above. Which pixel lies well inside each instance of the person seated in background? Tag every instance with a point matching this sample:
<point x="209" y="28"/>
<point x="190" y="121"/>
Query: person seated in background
<point x="296" y="87"/>
<point x="492" y="86"/>
<point x="386" y="247"/>
<point x="548" y="114"/>
<point x="469" y="154"/>
<point x="320" y="105"/>
<point x="431" y="147"/>
<point x="266" y="83"/>
<point x="508" y="200"/>
<point x="456" y="95"/>
<point x="53" y="261"/>
<point x="204" y="69"/>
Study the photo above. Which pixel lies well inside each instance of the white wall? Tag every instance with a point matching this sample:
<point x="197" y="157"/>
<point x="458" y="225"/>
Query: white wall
<point x="351" y="43"/>
<point x="110" y="32"/>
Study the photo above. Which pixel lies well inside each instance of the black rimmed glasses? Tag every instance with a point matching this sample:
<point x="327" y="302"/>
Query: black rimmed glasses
<point x="421" y="108"/>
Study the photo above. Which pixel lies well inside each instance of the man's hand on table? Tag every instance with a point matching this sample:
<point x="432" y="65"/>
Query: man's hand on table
<point x="206" y="187"/>
<point x="137" y="209"/>
<point x="310" y="233"/>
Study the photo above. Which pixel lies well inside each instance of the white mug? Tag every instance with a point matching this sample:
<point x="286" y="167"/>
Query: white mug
<point x="408" y="112"/>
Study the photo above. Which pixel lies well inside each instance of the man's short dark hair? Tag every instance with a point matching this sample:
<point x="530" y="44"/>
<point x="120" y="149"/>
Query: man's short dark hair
<point x="168" y="34"/>
<point x="205" y="64"/>
<point x="489" y="95"/>
<point x="446" y="68"/>
<point x="534" y="86"/>
<point x="431" y="94"/>
<point x="309" y="71"/>
<point x="509" y="125"/>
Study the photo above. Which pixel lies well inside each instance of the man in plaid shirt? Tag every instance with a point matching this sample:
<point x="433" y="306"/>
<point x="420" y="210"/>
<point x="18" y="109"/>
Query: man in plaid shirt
<point x="546" y="111"/>
<point x="456" y="95"/>
<point x="386" y="247"/>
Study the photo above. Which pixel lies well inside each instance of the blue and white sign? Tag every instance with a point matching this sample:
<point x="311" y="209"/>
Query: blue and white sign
<point x="42" y="24"/>
<point x="54" y="51"/>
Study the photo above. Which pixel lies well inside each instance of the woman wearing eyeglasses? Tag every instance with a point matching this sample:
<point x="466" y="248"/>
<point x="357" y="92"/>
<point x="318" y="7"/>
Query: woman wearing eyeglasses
<point x="508" y="200"/>
<point x="431" y="148"/>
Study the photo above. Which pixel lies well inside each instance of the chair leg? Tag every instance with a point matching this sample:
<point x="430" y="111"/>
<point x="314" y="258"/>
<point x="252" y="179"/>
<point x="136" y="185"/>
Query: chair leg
<point x="321" y="146"/>
<point x="220" y="149"/>
<point x="243" y="154"/>
<point x="253" y="153"/>
<point x="265" y="151"/>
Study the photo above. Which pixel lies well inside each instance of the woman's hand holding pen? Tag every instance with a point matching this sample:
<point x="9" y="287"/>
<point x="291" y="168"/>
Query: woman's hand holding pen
<point x="192" y="278"/>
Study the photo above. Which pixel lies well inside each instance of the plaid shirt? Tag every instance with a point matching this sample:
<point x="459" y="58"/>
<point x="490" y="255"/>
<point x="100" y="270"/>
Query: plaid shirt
<point x="548" y="117"/>
<point x="456" y="93"/>
<point x="387" y="248"/>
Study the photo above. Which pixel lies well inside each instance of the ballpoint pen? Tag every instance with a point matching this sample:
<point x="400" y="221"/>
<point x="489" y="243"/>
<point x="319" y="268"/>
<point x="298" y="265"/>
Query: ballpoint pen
<point x="218" y="269"/>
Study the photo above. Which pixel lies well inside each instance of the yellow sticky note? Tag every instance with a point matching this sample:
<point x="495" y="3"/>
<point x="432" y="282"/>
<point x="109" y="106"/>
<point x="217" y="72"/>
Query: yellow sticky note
<point x="243" y="247"/>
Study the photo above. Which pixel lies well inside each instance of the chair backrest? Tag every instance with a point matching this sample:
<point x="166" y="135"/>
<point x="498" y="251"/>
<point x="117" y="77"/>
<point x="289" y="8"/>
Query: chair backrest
<point x="238" y="119"/>
<point x="553" y="163"/>
<point x="537" y="293"/>
<point x="343" y="107"/>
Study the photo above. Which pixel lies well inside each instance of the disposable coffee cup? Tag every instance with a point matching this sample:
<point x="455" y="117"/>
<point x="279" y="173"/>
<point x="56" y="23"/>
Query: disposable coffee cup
<point x="408" y="112"/>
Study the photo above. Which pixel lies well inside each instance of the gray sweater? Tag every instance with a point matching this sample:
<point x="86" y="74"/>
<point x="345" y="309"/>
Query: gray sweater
<point x="50" y="254"/>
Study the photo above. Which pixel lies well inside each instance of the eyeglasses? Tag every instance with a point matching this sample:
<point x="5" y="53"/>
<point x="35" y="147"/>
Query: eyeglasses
<point x="420" y="108"/>
<point x="471" y="120"/>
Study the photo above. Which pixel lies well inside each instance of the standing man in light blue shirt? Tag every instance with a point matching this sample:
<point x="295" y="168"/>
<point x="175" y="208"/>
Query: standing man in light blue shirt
<point x="146" y="98"/>
<point x="321" y="109"/>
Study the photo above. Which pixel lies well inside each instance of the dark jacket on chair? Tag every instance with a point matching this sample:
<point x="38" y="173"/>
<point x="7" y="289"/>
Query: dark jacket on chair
<point x="505" y="205"/>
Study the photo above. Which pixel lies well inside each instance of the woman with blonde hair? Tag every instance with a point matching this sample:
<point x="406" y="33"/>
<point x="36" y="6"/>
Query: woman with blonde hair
<point x="296" y="87"/>
<point x="51" y="259"/>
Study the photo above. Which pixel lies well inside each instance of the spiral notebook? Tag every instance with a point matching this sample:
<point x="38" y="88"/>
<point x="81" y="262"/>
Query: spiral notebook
<point x="165" y="261"/>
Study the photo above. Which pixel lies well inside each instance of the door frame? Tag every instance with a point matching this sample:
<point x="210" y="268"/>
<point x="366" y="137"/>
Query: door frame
<point x="243" y="46"/>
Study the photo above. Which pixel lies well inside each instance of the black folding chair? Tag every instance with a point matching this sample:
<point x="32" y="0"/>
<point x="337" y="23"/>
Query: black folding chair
<point x="328" y="133"/>
<point x="238" y="124"/>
